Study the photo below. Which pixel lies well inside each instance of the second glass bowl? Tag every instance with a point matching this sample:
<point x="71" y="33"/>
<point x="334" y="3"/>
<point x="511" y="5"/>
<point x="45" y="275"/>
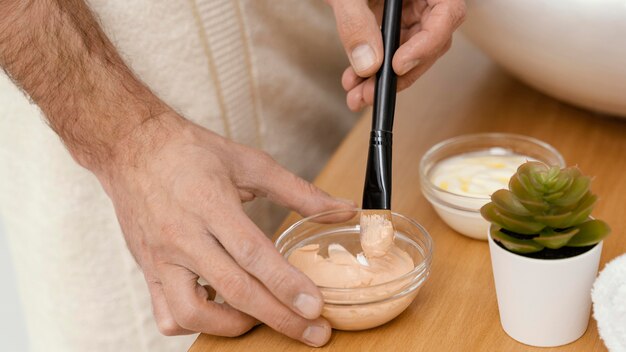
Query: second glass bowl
<point x="462" y="212"/>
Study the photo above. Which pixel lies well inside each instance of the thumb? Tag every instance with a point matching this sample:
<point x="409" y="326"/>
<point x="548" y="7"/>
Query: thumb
<point x="360" y="35"/>
<point x="288" y="190"/>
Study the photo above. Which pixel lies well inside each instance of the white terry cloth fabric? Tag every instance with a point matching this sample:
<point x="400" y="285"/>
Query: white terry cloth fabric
<point x="609" y="304"/>
<point x="265" y="73"/>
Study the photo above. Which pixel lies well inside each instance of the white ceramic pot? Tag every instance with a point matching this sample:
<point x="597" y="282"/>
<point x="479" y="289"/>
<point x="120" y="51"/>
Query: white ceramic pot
<point x="573" y="50"/>
<point x="544" y="302"/>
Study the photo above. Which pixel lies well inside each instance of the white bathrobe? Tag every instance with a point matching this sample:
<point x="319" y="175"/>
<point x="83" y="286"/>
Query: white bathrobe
<point x="265" y="73"/>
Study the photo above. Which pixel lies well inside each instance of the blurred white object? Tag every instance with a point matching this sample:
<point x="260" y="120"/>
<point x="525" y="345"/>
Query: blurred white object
<point x="609" y="304"/>
<point x="574" y="50"/>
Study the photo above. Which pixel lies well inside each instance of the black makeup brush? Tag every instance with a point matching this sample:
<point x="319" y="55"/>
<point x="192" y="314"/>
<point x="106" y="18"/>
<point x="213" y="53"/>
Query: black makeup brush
<point x="377" y="191"/>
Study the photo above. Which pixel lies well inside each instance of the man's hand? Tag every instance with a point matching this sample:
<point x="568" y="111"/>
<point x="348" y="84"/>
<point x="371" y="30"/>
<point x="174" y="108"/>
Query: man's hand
<point x="179" y="204"/>
<point x="177" y="188"/>
<point x="427" y="27"/>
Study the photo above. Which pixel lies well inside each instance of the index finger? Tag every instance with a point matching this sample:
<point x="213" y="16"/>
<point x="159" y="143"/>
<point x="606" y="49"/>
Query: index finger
<point x="256" y="254"/>
<point x="436" y="30"/>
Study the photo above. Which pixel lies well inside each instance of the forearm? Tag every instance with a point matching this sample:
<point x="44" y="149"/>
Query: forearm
<point x="57" y="53"/>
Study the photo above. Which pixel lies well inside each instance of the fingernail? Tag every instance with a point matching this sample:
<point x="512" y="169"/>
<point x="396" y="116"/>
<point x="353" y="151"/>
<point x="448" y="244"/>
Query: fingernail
<point x="363" y="57"/>
<point x="309" y="306"/>
<point x="349" y="202"/>
<point x="409" y="66"/>
<point x="315" y="335"/>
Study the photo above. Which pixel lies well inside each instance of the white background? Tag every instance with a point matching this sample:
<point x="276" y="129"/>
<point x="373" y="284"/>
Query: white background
<point x="13" y="336"/>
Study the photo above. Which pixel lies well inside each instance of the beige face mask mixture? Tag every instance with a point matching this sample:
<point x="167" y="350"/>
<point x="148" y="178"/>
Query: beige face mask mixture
<point x="380" y="262"/>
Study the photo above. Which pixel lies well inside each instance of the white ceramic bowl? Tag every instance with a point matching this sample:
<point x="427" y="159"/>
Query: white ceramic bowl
<point x="574" y="50"/>
<point x="544" y="302"/>
<point x="462" y="212"/>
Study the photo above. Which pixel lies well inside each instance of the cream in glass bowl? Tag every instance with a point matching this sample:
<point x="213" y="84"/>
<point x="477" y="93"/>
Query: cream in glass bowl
<point x="459" y="175"/>
<point x="359" y="292"/>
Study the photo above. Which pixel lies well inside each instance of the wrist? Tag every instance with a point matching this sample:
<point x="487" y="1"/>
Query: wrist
<point x="133" y="149"/>
<point x="69" y="68"/>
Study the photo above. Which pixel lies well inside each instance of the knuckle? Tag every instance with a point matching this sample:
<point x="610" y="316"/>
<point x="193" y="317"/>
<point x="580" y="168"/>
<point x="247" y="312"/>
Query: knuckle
<point x="239" y="331"/>
<point x="200" y="186"/>
<point x="283" y="322"/>
<point x="350" y="23"/>
<point x="408" y="80"/>
<point x="168" y="233"/>
<point x="236" y="288"/>
<point x="310" y="195"/>
<point x="412" y="79"/>
<point x="249" y="255"/>
<point x="187" y="316"/>
<point x="168" y="327"/>
<point x="258" y="161"/>
<point x="235" y="330"/>
<point x="263" y="158"/>
<point x="172" y="236"/>
<point x="170" y="229"/>
<point x="305" y="187"/>
<point x="460" y="12"/>
<point x="284" y="280"/>
<point x="456" y="14"/>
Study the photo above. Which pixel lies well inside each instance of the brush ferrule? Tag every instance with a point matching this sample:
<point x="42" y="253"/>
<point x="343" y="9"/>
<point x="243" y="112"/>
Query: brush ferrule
<point x="377" y="190"/>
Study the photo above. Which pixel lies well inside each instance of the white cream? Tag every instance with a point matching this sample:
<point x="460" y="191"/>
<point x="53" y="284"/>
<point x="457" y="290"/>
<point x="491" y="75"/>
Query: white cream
<point x="464" y="184"/>
<point x="476" y="174"/>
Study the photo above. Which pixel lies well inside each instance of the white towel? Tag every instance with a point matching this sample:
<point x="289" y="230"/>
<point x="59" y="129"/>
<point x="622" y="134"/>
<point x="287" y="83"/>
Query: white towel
<point x="265" y="73"/>
<point x="609" y="304"/>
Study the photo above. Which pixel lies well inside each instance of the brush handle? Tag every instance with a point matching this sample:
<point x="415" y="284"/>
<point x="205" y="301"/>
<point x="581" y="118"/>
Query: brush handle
<point x="377" y="190"/>
<point x="386" y="79"/>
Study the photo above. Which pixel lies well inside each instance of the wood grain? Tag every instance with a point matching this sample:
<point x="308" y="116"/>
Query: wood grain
<point x="456" y="309"/>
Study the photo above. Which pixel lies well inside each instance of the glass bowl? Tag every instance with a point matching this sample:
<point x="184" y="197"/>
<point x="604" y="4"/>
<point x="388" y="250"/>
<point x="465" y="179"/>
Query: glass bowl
<point x="462" y="212"/>
<point x="363" y="307"/>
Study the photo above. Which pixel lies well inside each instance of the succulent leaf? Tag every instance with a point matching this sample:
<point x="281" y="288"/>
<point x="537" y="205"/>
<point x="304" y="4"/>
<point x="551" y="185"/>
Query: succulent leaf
<point x="584" y="209"/>
<point x="515" y="224"/>
<point x="590" y="232"/>
<point x="550" y="203"/>
<point x="517" y="185"/>
<point x="535" y="206"/>
<point x="538" y="181"/>
<point x="556" y="221"/>
<point x="514" y="244"/>
<point x="531" y="190"/>
<point x="555" y="240"/>
<point x="506" y="200"/>
<point x="552" y="174"/>
<point x="575" y="192"/>
<point x="553" y="196"/>
<point x="563" y="182"/>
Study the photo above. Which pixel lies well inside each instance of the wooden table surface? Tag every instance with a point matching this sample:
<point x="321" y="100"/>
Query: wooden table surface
<point x="456" y="309"/>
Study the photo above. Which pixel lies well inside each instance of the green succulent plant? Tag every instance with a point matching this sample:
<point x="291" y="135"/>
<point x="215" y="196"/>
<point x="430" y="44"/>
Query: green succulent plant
<point x="544" y="207"/>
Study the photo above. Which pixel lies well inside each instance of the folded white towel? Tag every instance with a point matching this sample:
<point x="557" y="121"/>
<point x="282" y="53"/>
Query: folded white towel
<point x="265" y="73"/>
<point x="609" y="304"/>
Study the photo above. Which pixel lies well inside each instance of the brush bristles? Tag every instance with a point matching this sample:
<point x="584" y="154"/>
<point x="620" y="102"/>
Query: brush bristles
<point x="377" y="234"/>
